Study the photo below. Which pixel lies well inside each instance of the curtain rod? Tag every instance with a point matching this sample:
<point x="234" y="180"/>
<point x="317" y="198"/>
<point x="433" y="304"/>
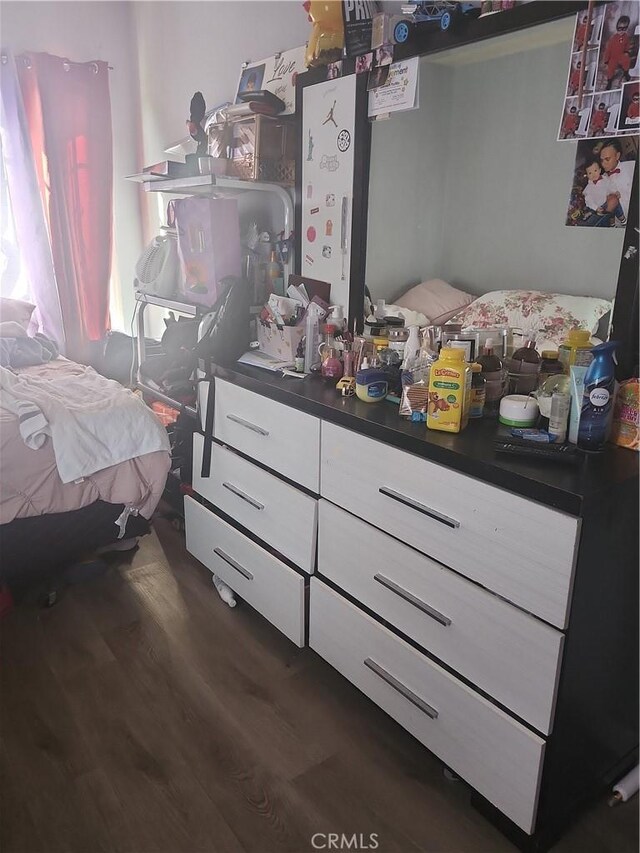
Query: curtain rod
<point x="67" y="66"/>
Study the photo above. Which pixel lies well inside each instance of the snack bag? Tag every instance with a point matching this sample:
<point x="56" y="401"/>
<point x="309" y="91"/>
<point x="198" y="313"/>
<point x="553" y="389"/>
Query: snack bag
<point x="626" y="415"/>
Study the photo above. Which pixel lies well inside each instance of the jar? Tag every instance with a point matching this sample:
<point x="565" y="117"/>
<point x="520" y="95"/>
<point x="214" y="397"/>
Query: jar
<point x="331" y="366"/>
<point x="549" y="366"/>
<point x="478" y="391"/>
<point x="575" y="350"/>
<point x="371" y="383"/>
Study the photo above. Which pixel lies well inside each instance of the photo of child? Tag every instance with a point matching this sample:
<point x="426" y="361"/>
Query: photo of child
<point x="586" y="73"/>
<point x="604" y="114"/>
<point x="602" y="181"/>
<point x="629" y="118"/>
<point x="363" y="63"/>
<point x="575" y="121"/>
<point x="250" y="81"/>
<point x="619" y="46"/>
<point x="583" y="32"/>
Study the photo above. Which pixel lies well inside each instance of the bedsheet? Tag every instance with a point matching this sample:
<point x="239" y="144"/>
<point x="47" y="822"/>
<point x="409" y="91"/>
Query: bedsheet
<point x="30" y="484"/>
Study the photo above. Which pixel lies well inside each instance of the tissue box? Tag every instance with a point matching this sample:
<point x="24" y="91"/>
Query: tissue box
<point x="280" y="343"/>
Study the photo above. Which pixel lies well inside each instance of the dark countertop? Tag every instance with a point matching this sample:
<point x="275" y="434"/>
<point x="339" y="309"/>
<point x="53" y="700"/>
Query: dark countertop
<point x="562" y="486"/>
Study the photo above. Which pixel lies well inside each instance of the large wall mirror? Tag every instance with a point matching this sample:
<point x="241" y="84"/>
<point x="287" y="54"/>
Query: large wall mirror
<point x="473" y="187"/>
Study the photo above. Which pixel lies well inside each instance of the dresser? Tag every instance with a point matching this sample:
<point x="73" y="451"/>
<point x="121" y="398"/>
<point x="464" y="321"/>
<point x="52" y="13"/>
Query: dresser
<point x="488" y="606"/>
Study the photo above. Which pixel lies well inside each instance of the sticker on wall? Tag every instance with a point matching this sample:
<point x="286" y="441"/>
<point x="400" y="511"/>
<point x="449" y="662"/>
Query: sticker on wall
<point x="329" y="162"/>
<point x="326" y="252"/>
<point x="378" y="77"/>
<point x="328" y="231"/>
<point x="344" y="140"/>
<point x="311" y="234"/>
<point x="315" y="210"/>
<point x="330" y="200"/>
<point x="384" y="55"/>
<point x="602" y="182"/>
<point x="330" y="117"/>
<point x="309" y="191"/>
<point x="309" y="259"/>
<point x="334" y="70"/>
<point x="604" y="61"/>
<point x="310" y="149"/>
<point x="364" y="63"/>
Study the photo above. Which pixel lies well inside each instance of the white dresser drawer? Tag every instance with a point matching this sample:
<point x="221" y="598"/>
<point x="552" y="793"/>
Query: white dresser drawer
<point x="271" y="509"/>
<point x="507" y="653"/>
<point x="511" y="545"/>
<point x="282" y="438"/>
<point x="498" y="756"/>
<point x="264" y="582"/>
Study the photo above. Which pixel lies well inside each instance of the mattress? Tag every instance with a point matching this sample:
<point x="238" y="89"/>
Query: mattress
<point x="30" y="484"/>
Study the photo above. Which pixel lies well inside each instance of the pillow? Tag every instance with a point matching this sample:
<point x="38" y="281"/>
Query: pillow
<point x="11" y="329"/>
<point x="551" y="314"/>
<point x="16" y="311"/>
<point x="436" y="299"/>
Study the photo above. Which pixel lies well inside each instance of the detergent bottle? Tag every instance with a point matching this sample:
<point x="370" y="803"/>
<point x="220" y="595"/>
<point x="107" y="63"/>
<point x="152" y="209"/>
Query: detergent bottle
<point x="597" y="398"/>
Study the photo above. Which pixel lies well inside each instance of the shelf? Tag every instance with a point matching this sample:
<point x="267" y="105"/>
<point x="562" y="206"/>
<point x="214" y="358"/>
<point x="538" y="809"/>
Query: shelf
<point x="427" y="39"/>
<point x="206" y="184"/>
<point x="169" y="401"/>
<point x="170" y="304"/>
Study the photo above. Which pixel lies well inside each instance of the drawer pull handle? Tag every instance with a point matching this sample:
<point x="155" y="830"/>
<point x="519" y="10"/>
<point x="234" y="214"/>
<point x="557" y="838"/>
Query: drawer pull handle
<point x="408" y="596"/>
<point x="244" y="572"/>
<point x="432" y="513"/>
<point x="404" y="691"/>
<point x="248" y="425"/>
<point x="243" y="495"/>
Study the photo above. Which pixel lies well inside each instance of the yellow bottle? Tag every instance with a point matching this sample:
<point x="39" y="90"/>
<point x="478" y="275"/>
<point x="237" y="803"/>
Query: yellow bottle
<point x="575" y="350"/>
<point x="449" y="391"/>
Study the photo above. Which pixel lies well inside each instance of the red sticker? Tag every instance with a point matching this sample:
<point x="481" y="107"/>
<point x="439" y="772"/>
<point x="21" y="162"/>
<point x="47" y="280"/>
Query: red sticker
<point x="311" y="234"/>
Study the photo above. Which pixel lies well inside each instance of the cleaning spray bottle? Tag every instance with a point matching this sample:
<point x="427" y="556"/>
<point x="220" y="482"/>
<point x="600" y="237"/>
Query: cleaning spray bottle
<point x="597" y="398"/>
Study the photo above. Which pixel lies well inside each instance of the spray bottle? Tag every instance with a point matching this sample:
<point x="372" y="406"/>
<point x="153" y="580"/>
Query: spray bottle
<point x="597" y="398"/>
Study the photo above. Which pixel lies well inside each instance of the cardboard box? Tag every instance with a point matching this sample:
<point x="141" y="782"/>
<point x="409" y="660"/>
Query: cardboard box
<point x="280" y="343"/>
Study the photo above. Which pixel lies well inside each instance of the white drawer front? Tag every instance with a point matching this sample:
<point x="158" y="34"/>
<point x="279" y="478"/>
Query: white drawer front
<point x="264" y="582"/>
<point x="512" y="656"/>
<point x="276" y="435"/>
<point x="498" y="756"/>
<point x="511" y="545"/>
<point x="275" y="511"/>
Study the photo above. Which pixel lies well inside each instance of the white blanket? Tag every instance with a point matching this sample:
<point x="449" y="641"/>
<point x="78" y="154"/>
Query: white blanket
<point x="93" y="422"/>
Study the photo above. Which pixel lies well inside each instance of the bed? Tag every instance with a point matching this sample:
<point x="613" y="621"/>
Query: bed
<point x="48" y="516"/>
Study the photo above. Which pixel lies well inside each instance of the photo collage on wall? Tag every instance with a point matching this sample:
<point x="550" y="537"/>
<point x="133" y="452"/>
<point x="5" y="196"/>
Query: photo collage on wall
<point x="609" y="70"/>
<point x="602" y="181"/>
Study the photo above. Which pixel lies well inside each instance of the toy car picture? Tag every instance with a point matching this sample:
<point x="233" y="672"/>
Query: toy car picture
<point x="444" y="13"/>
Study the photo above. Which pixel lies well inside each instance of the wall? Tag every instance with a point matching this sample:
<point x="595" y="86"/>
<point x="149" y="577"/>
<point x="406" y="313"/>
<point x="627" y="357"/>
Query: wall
<point x="501" y="216"/>
<point x="83" y="31"/>
<point x="161" y="53"/>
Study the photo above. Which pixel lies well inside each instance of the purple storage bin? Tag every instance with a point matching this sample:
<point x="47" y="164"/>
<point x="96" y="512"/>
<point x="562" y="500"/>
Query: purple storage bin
<point x="208" y="246"/>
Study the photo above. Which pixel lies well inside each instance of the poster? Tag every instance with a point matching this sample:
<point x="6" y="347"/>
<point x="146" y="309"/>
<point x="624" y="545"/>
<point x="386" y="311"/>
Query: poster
<point x="400" y="92"/>
<point x="358" y="21"/>
<point x="276" y="74"/>
<point x="327" y="183"/>
<point x="602" y="181"/>
<point x="604" y="57"/>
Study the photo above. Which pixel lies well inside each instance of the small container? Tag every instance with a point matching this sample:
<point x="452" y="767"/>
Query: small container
<point x="518" y="410"/>
<point x="523" y="367"/>
<point x="575" y="350"/>
<point x="331" y="366"/>
<point x="299" y="359"/>
<point x="560" y="404"/>
<point x="549" y="366"/>
<point x="371" y="383"/>
<point x="478" y="391"/>
<point x="494" y="374"/>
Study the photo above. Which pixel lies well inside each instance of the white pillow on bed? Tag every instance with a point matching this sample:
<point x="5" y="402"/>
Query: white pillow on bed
<point x="15" y="310"/>
<point x="436" y="299"/>
<point x="550" y="314"/>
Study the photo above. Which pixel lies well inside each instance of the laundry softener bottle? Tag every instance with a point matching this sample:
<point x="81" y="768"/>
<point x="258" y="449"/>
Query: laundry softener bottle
<point x="597" y="398"/>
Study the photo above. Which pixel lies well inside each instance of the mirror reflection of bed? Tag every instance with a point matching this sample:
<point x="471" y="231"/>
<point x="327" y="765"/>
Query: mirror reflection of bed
<point x="473" y="188"/>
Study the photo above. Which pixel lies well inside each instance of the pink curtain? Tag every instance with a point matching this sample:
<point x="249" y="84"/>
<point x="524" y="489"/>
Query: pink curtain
<point x="68" y="110"/>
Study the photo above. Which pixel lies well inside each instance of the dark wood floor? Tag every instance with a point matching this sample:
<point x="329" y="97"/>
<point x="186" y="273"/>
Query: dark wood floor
<point x="142" y="714"/>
